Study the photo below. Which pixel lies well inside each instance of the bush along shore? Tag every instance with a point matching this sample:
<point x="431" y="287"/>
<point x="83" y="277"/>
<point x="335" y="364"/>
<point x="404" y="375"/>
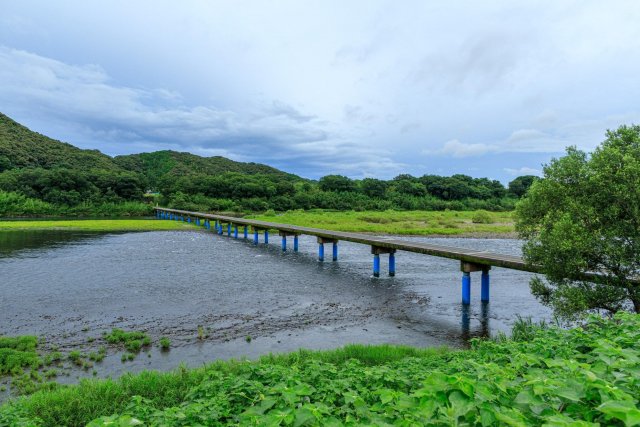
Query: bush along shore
<point x="586" y="376"/>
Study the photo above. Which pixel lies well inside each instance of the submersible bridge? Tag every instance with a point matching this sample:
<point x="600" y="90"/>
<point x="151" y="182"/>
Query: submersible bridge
<point x="470" y="260"/>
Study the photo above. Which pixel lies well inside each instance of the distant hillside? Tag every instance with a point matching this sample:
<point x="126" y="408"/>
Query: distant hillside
<point x="20" y="147"/>
<point x="160" y="163"/>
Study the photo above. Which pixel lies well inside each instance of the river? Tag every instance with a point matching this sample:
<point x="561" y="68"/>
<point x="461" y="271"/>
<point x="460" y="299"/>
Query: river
<point x="69" y="287"/>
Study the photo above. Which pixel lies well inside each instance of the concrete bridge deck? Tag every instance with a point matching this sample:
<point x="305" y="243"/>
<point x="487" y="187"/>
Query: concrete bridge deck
<point x="470" y="260"/>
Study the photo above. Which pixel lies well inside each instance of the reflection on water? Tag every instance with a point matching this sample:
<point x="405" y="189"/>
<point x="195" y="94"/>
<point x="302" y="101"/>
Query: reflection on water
<point x="484" y="321"/>
<point x="14" y="242"/>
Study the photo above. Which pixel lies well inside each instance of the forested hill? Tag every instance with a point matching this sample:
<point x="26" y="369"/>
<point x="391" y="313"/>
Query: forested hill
<point x="21" y="147"/>
<point x="42" y="176"/>
<point x="159" y="164"/>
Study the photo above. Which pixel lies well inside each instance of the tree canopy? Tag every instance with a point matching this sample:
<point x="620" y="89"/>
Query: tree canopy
<point x="584" y="216"/>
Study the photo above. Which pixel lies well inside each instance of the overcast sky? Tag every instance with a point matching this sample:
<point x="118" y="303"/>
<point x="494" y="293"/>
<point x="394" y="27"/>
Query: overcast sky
<point x="360" y="88"/>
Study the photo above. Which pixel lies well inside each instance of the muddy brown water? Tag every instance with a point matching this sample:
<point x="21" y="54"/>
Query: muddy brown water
<point x="69" y="287"/>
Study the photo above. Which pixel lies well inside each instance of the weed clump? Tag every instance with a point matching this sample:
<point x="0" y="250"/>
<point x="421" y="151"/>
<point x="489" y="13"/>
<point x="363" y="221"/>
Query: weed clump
<point x="17" y="353"/>
<point x="165" y="343"/>
<point x="132" y="341"/>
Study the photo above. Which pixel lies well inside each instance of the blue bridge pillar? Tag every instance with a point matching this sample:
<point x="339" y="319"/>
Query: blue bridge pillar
<point x="377" y="251"/>
<point x="246" y="232"/>
<point x="284" y="235"/>
<point x="321" y="242"/>
<point x="235" y="232"/>
<point x="229" y="229"/>
<point x="484" y="285"/>
<point x="376" y="265"/>
<point x="255" y="236"/>
<point x="266" y="237"/>
<point x="392" y="264"/>
<point x="467" y="268"/>
<point x="466" y="288"/>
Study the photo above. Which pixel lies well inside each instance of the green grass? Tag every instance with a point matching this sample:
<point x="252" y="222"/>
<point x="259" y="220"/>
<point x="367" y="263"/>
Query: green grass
<point x="17" y="353"/>
<point x="547" y="376"/>
<point x="96" y="225"/>
<point x="133" y="341"/>
<point x="399" y="222"/>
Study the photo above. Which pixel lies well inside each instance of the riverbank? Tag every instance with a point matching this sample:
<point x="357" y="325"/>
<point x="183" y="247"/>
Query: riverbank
<point x="480" y="224"/>
<point x="408" y="223"/>
<point x="97" y="225"/>
<point x="531" y="379"/>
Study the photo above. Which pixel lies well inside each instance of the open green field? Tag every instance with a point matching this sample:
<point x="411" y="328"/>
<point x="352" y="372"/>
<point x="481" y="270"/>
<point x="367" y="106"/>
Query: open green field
<point x="542" y="376"/>
<point x="448" y="223"/>
<point x="96" y="225"/>
<point x="401" y="222"/>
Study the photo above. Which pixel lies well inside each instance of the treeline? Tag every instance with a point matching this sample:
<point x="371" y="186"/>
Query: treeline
<point x="238" y="192"/>
<point x="39" y="191"/>
<point x="42" y="176"/>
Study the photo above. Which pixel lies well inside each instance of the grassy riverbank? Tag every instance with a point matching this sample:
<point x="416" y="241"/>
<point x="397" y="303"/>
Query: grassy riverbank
<point x="95" y="225"/>
<point x="449" y="223"/>
<point x="543" y="376"/>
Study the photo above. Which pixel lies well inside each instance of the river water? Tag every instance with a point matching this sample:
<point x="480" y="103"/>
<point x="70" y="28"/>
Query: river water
<point x="69" y="287"/>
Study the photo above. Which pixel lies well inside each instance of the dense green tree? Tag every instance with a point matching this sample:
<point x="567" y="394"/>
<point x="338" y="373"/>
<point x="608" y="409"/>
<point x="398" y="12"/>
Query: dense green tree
<point x="336" y="183"/>
<point x="519" y="186"/>
<point x="374" y="188"/>
<point x="584" y="216"/>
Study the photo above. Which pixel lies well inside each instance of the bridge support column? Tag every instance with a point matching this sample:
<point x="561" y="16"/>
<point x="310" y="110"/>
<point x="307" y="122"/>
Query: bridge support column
<point x="246" y="232"/>
<point x="392" y="264"/>
<point x="255" y="236"/>
<point x="220" y="229"/>
<point x="377" y="251"/>
<point x="266" y="237"/>
<point x="284" y="235"/>
<point x="466" y="288"/>
<point x="467" y="268"/>
<point x="235" y="232"/>
<point x="484" y="289"/>
<point x="321" y="242"/>
<point x="376" y="265"/>
<point x="229" y="229"/>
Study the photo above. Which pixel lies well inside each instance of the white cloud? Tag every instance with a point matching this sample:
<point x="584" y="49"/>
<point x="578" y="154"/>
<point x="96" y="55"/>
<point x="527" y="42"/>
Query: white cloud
<point x="264" y="81"/>
<point x="523" y="171"/>
<point x="459" y="149"/>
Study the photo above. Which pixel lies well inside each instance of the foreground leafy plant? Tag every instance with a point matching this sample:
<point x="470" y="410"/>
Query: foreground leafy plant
<point x="582" y="377"/>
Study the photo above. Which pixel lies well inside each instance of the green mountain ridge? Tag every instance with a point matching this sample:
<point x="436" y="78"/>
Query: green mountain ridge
<point x="21" y="147"/>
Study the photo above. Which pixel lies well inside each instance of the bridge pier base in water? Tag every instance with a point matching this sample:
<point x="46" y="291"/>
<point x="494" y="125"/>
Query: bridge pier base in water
<point x="284" y="235"/>
<point x="321" y="242"/>
<point x="467" y="268"/>
<point x="255" y="236"/>
<point x="246" y="232"/>
<point x="377" y="251"/>
<point x="235" y="231"/>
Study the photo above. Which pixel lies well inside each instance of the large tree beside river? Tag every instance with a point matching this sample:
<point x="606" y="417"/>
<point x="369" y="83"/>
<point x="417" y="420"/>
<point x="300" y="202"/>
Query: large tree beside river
<point x="584" y="216"/>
